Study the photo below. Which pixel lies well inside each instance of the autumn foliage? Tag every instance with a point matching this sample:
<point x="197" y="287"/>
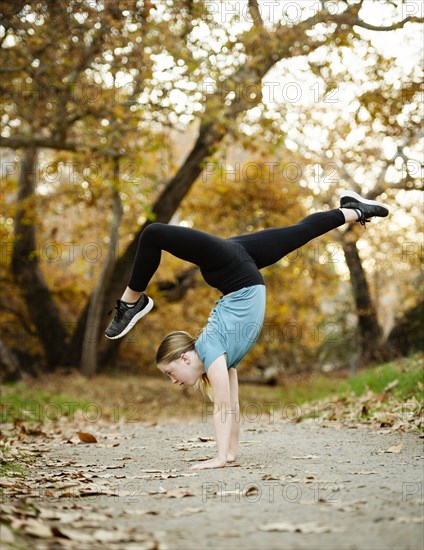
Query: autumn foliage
<point x="120" y="115"/>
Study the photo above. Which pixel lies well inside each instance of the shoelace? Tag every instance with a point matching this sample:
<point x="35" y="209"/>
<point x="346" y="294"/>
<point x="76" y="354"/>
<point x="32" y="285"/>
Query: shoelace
<point x="363" y="220"/>
<point x="119" y="310"/>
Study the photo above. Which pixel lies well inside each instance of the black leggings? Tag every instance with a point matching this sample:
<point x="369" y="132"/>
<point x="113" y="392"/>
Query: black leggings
<point x="213" y="254"/>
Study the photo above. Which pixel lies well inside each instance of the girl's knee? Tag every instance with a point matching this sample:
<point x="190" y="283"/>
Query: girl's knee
<point x="153" y="230"/>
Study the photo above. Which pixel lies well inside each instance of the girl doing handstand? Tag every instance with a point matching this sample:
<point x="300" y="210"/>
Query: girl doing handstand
<point x="232" y="266"/>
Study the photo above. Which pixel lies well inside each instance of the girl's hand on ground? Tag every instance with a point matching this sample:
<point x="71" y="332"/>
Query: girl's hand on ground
<point x="207" y="464"/>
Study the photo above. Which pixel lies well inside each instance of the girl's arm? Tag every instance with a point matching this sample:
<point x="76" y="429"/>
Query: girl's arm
<point x="222" y="415"/>
<point x="235" y="416"/>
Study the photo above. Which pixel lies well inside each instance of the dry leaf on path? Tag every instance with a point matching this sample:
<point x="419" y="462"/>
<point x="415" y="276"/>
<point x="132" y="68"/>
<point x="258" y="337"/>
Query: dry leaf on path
<point x="160" y="491"/>
<point x="72" y="534"/>
<point x="394" y="448"/>
<point x="305" y="528"/>
<point x="270" y="477"/>
<point x="306" y="457"/>
<point x="86" y="437"/>
<point x="138" y="512"/>
<point x="6" y="535"/>
<point x="187" y="512"/>
<point x="355" y="506"/>
<point x="247" y="491"/>
<point x="180" y="492"/>
<point x="102" y="535"/>
<point x="406" y="519"/>
<point x="37" y="528"/>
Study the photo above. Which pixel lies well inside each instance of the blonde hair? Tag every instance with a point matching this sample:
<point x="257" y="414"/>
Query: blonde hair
<point x="171" y="348"/>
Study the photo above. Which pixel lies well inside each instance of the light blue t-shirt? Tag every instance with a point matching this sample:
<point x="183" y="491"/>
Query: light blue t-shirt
<point x="233" y="326"/>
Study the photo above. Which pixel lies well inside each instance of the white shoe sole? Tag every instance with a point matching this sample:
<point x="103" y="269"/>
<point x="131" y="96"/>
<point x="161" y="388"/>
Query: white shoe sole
<point x="134" y="320"/>
<point x="354" y="195"/>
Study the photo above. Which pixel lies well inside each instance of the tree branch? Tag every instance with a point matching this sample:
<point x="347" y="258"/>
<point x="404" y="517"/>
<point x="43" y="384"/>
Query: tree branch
<point x="185" y="280"/>
<point x="40" y="142"/>
<point x="399" y="25"/>
<point x="255" y="13"/>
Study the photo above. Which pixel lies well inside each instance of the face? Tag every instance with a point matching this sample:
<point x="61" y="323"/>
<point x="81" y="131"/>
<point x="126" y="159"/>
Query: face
<point x="181" y="371"/>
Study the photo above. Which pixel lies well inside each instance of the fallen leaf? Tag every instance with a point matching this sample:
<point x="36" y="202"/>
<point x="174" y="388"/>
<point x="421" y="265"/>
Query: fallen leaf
<point x="72" y="534"/>
<point x="252" y="490"/>
<point x="353" y="506"/>
<point x="394" y="448"/>
<point x="187" y="512"/>
<point x="138" y="512"/>
<point x="306" y="528"/>
<point x="159" y="491"/>
<point x="96" y="492"/>
<point x="306" y="457"/>
<point x="180" y="492"/>
<point x="248" y="491"/>
<point x="86" y="437"/>
<point x="102" y="535"/>
<point x="37" y="528"/>
<point x="391" y="385"/>
<point x="6" y="535"/>
<point x="406" y="519"/>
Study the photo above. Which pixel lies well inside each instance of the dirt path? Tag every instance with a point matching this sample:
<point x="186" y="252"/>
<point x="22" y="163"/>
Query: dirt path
<point x="296" y="486"/>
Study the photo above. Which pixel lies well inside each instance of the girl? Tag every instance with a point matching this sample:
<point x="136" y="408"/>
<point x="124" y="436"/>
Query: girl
<point x="231" y="265"/>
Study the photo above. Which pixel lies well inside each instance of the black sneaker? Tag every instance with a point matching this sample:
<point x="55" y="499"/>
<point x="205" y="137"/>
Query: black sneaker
<point x="126" y="317"/>
<point x="367" y="208"/>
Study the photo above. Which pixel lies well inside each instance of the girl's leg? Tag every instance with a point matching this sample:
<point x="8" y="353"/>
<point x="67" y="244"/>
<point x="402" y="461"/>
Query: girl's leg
<point x="270" y="245"/>
<point x="200" y="248"/>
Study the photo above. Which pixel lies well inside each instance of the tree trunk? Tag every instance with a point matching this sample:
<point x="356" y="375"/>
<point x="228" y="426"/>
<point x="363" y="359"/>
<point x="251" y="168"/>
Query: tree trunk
<point x="369" y="330"/>
<point x="407" y="336"/>
<point x="263" y="53"/>
<point x="163" y="210"/>
<point x="26" y="268"/>
<point x="11" y="369"/>
<point x="95" y="308"/>
<point x="168" y="202"/>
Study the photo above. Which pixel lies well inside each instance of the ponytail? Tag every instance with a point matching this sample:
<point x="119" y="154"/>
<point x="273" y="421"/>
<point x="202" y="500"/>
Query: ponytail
<point x="204" y="386"/>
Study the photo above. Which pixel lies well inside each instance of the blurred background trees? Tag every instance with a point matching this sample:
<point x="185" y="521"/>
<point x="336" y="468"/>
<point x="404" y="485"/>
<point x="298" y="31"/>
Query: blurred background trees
<point x="227" y="116"/>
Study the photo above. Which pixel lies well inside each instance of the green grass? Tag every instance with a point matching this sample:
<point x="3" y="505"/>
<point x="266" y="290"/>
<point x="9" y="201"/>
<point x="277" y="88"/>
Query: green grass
<point x="409" y="373"/>
<point x="19" y="401"/>
<point x="8" y="470"/>
<point x="148" y="399"/>
<point x="294" y="391"/>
